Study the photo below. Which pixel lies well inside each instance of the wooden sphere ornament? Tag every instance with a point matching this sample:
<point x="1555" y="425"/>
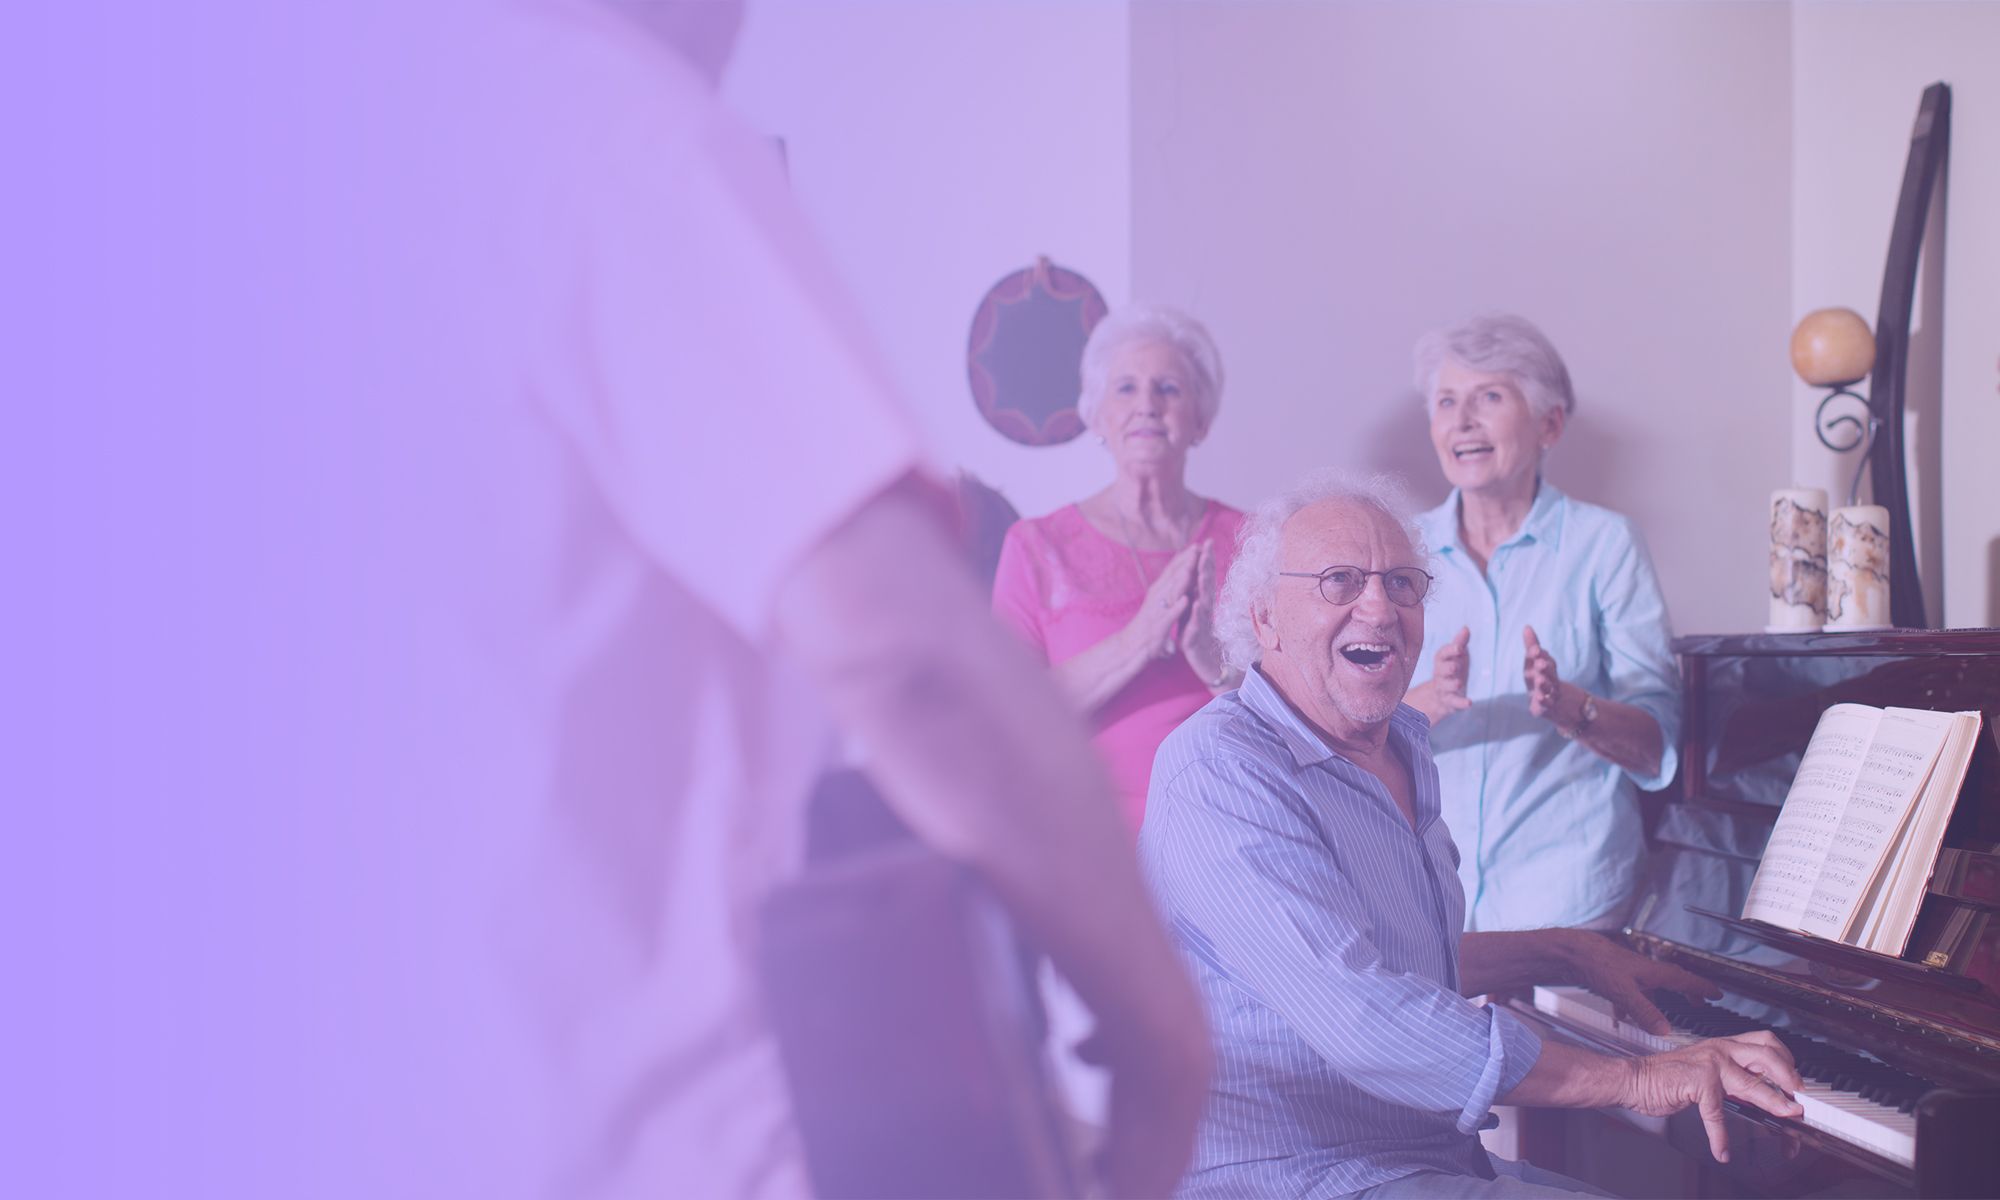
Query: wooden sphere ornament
<point x="1832" y="347"/>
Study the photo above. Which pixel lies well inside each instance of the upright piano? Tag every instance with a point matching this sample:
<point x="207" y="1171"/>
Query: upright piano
<point x="1901" y="1055"/>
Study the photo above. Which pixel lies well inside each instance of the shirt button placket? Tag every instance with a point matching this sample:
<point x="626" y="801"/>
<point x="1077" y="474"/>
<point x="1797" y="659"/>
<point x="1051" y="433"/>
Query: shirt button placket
<point x="1478" y="848"/>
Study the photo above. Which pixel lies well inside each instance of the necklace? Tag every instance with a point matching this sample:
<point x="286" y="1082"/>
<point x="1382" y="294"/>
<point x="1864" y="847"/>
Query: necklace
<point x="1138" y="565"/>
<point x="1185" y="535"/>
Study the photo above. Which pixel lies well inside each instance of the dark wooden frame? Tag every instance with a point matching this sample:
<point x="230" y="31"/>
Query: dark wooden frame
<point x="1930" y="150"/>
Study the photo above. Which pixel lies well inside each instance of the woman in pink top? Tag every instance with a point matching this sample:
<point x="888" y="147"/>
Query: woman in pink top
<point x="1117" y="591"/>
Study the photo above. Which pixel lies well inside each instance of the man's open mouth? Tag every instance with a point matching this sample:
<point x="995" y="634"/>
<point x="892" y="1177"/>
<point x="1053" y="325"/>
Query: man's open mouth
<point x="1367" y="655"/>
<point x="1468" y="449"/>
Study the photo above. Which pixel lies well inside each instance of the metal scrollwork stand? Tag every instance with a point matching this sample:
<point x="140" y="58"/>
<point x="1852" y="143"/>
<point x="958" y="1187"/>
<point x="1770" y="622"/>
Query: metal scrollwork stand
<point x="1850" y="430"/>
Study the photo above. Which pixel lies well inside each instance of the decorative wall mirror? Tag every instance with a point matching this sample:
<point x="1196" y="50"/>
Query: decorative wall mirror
<point x="1025" y="356"/>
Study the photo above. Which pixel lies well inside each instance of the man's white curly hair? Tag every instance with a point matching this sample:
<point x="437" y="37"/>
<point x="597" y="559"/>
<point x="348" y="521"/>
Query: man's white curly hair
<point x="1254" y="575"/>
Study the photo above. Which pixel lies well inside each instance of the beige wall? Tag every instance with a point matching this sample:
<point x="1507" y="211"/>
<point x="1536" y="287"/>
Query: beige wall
<point x="939" y="147"/>
<point x="1325" y="182"/>
<point x="1664" y="186"/>
<point x="1858" y="70"/>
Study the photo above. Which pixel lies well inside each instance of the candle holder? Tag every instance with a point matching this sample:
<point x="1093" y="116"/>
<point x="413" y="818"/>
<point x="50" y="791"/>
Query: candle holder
<point x="1833" y="348"/>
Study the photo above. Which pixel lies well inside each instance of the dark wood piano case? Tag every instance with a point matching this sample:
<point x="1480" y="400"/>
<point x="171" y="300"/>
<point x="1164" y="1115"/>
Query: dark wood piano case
<point x="1750" y="704"/>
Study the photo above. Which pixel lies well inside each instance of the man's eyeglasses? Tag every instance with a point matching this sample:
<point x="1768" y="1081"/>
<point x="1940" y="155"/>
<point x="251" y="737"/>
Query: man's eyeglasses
<point x="1343" y="585"/>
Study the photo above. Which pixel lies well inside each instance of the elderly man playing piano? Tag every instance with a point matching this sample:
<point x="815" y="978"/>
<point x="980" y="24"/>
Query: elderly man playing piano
<point x="1293" y="838"/>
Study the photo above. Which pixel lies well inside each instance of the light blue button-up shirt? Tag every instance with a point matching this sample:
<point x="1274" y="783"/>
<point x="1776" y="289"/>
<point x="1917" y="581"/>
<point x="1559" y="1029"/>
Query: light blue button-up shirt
<point x="1548" y="831"/>
<point x="1323" y="932"/>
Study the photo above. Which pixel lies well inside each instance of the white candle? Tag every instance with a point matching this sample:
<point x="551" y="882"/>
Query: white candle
<point x="1857" y="588"/>
<point x="1798" y="560"/>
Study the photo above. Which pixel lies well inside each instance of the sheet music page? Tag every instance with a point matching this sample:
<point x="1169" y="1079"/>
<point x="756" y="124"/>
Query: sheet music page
<point x="1908" y="868"/>
<point x="1892" y="776"/>
<point x="1874" y="905"/>
<point x="1783" y="887"/>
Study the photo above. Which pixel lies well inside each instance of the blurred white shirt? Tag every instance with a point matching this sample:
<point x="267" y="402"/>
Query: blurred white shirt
<point x="438" y="750"/>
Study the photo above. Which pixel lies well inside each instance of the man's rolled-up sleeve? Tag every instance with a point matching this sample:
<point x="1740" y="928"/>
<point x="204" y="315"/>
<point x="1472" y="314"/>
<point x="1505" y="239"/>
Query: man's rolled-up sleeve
<point x="1248" y="885"/>
<point x="1512" y="1052"/>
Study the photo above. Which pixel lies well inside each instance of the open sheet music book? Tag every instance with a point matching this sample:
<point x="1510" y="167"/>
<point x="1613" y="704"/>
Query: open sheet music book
<point x="1853" y="848"/>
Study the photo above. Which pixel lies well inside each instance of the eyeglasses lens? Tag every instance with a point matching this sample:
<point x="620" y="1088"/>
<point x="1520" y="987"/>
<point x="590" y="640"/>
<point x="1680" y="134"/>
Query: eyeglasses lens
<point x="1404" y="586"/>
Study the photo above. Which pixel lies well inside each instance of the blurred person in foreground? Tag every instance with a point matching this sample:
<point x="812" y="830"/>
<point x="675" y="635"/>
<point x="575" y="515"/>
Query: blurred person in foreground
<point x="848" y="579"/>
<point x="527" y="558"/>
<point x="1542" y="762"/>
<point x="1117" y="591"/>
<point x="1295" y="841"/>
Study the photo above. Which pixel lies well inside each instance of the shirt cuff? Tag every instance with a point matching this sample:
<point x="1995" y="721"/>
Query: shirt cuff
<point x="1512" y="1050"/>
<point x="1670" y="756"/>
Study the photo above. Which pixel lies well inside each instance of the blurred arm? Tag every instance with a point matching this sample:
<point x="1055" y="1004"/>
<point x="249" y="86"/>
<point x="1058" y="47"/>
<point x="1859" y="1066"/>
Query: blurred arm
<point x="973" y="747"/>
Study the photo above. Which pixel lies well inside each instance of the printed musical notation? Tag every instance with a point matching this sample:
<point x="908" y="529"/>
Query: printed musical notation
<point x="1846" y="821"/>
<point x="1796" y="855"/>
<point x="1892" y="773"/>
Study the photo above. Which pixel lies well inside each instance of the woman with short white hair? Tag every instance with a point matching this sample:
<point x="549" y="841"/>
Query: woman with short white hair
<point x="1540" y="764"/>
<point x="1117" y="591"/>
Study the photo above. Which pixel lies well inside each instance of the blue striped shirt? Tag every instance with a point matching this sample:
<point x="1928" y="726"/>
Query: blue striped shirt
<point x="1323" y="933"/>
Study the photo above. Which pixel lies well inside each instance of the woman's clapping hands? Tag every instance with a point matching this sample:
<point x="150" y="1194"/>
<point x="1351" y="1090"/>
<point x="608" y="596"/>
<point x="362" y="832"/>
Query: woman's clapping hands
<point x="1156" y="626"/>
<point x="1539" y="673"/>
<point x="1451" y="668"/>
<point x="1198" y="642"/>
<point x="1177" y="614"/>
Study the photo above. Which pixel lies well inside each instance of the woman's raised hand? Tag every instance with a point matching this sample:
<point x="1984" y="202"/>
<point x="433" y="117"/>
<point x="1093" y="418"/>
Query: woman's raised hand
<point x="1544" y="682"/>
<point x="1198" y="643"/>
<point x="1451" y="667"/>
<point x="1167" y="602"/>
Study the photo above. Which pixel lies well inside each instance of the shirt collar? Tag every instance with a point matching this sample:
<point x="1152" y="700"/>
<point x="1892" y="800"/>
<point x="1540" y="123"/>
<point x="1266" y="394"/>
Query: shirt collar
<point x="1543" y="523"/>
<point x="1261" y="696"/>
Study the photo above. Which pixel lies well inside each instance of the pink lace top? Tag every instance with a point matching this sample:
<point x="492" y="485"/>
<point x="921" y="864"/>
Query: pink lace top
<point x="1065" y="587"/>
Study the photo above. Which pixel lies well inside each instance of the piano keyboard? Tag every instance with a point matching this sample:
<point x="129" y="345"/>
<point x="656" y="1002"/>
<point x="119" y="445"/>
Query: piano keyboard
<point x="1849" y="1097"/>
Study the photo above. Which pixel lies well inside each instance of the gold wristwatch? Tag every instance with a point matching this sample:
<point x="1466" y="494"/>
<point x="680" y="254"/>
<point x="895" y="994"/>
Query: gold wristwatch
<point x="1584" y="719"/>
